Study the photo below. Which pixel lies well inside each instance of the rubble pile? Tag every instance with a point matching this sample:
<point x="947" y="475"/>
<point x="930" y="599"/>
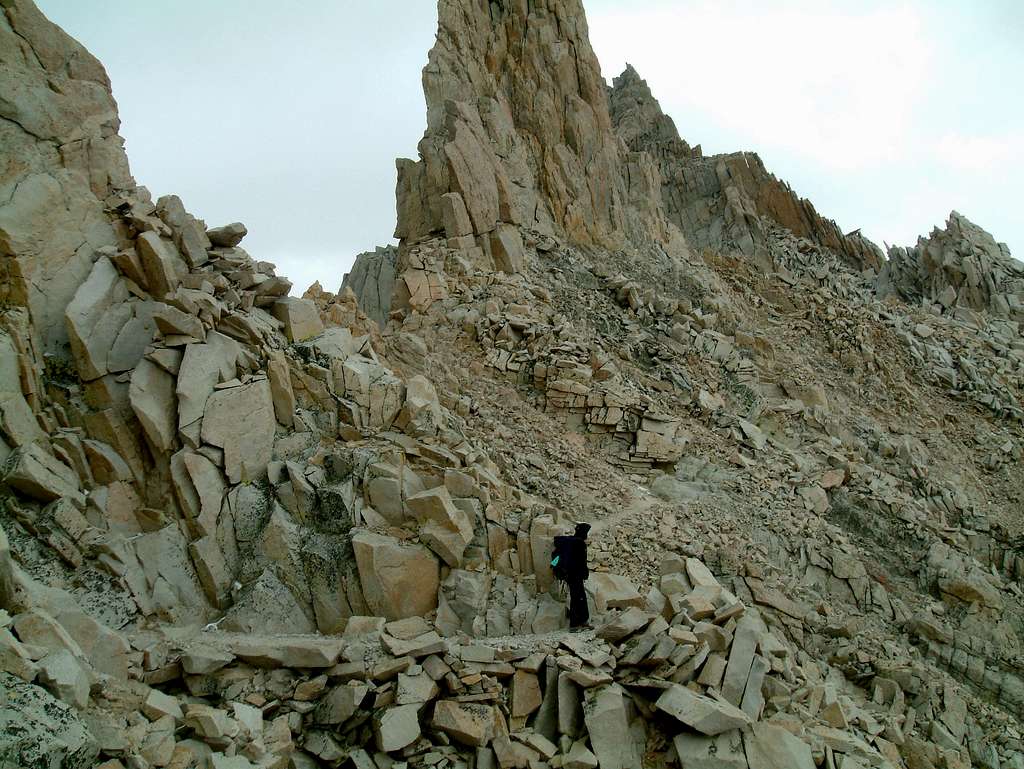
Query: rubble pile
<point x="239" y="528"/>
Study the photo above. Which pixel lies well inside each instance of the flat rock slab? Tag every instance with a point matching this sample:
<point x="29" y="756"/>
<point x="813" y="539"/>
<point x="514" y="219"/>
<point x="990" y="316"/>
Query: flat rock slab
<point x="706" y="715"/>
<point x="310" y="651"/>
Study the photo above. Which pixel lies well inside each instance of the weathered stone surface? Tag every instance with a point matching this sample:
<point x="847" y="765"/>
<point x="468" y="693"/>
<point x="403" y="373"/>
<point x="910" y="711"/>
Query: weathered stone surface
<point x="300" y="318"/>
<point x="526" y="695"/>
<point x="961" y="265"/>
<point x="65" y="678"/>
<point x="467" y="723"/>
<point x="398" y="580"/>
<point x="155" y="404"/>
<point x="36" y="474"/>
<point x="341" y="703"/>
<point x="95" y="316"/>
<point x="705" y="714"/>
<point x="397" y="727"/>
<point x="203" y="367"/>
<point x="722" y="752"/>
<point x="507" y="249"/>
<point x="372" y="280"/>
<point x="241" y="421"/>
<point x="38" y="731"/>
<point x="161" y="263"/>
<point x="608" y="726"/>
<point x="281" y="389"/>
<point x="227" y="236"/>
<point x="718" y="201"/>
<point x="773" y="747"/>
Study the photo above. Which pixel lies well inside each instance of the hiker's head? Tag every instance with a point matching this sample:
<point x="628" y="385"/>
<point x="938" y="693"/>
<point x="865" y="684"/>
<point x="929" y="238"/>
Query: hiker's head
<point x="582" y="529"/>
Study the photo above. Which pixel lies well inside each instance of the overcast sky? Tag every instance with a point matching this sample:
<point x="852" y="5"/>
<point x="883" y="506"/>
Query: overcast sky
<point x="288" y="117"/>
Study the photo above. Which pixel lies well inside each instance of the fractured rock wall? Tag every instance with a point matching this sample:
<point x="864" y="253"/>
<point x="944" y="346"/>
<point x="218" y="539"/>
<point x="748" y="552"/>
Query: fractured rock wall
<point x="62" y="159"/>
<point x="718" y="201"/>
<point x="372" y="280"/>
<point x="960" y="266"/>
<point x="518" y="132"/>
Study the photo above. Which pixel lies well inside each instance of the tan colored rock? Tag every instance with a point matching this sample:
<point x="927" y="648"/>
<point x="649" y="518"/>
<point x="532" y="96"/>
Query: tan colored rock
<point x="397" y="727"/>
<point x="300" y="317"/>
<point x="36" y="474"/>
<point x="705" y="714"/>
<point x="15" y="659"/>
<point x="281" y="389"/>
<point x="472" y="724"/>
<point x="158" y="705"/>
<point x="341" y="703"/>
<point x="202" y="368"/>
<point x="300" y="651"/>
<point x="227" y="236"/>
<point x="161" y="263"/>
<point x="172" y="321"/>
<point x="154" y="402"/>
<point x="241" y="421"/>
<point x="95" y="316"/>
<point x="507" y="249"/>
<point x="725" y="751"/>
<point x="456" y="218"/>
<point x="772" y="747"/>
<point x="65" y="677"/>
<point x="526" y="695"/>
<point x="608" y="726"/>
<point x="398" y="580"/>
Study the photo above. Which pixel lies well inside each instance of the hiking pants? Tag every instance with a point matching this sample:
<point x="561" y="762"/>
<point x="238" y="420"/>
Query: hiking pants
<point x="579" y="614"/>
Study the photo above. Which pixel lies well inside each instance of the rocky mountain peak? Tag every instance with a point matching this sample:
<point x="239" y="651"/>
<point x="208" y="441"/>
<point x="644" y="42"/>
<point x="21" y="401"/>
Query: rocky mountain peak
<point x="518" y="130"/>
<point x="961" y="266"/>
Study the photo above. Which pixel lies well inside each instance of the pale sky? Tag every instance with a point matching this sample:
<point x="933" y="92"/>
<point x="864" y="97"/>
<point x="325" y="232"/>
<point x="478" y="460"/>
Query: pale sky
<point x="288" y="117"/>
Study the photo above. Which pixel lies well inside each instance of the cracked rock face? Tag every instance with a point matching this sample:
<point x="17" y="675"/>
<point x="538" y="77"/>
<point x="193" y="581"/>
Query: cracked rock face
<point x="518" y="129"/>
<point x="959" y="266"/>
<point x="718" y="201"/>
<point x="59" y="121"/>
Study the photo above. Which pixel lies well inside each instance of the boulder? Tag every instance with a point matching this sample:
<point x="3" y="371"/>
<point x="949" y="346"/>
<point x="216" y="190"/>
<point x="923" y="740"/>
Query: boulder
<point x="704" y="714"/>
<point x="66" y="678"/>
<point x="613" y="591"/>
<point x="398" y="580"/>
<point x="95" y="316"/>
<point x="607" y="723"/>
<point x="227" y="236"/>
<point x="37" y="730"/>
<point x="724" y="751"/>
<point x="507" y="249"/>
<point x="300" y="317"/>
<point x="397" y="727"/>
<point x="241" y="421"/>
<point x="153" y="400"/>
<point x="161" y="263"/>
<point x="771" y="747"/>
<point x="468" y="723"/>
<point x="281" y="389"/>
<point x="341" y="703"/>
<point x="39" y="475"/>
<point x="202" y="368"/>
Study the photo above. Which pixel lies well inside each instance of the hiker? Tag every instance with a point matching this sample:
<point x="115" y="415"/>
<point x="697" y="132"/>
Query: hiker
<point x="570" y="565"/>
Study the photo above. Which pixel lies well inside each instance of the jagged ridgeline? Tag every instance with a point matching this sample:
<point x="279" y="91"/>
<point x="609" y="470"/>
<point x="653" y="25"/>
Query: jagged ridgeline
<point x="244" y="529"/>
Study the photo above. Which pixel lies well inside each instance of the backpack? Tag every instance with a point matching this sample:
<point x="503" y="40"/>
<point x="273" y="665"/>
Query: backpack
<point x="560" y="558"/>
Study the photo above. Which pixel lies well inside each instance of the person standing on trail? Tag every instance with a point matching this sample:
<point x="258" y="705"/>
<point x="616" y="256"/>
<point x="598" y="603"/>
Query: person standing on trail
<point x="570" y="565"/>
